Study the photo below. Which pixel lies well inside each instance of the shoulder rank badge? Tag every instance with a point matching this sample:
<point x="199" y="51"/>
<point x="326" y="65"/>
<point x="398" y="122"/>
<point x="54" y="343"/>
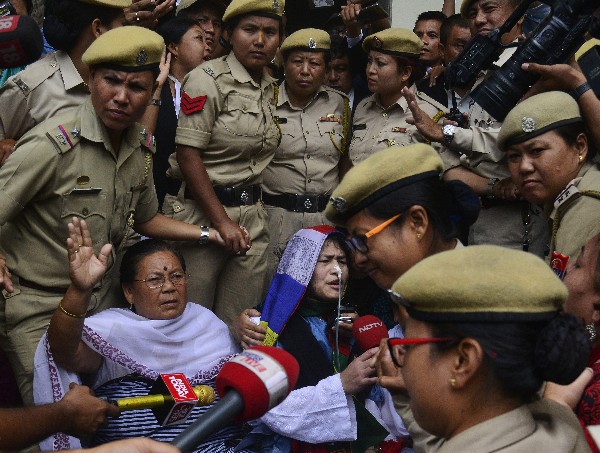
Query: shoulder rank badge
<point x="63" y="138"/>
<point x="190" y="105"/>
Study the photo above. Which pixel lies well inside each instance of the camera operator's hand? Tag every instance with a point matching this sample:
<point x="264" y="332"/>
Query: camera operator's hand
<point x="429" y="129"/>
<point x="349" y="15"/>
<point x="556" y="77"/>
<point x="434" y="73"/>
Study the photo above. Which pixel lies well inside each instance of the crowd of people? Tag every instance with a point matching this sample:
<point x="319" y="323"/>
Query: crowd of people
<point x="184" y="179"/>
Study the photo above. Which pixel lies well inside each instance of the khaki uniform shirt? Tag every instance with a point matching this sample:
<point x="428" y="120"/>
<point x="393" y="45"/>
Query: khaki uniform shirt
<point x="235" y="130"/>
<point x="312" y="141"/>
<point x="39" y="92"/>
<point x="543" y="426"/>
<point x="66" y="167"/>
<point x="579" y="217"/>
<point x="375" y="128"/>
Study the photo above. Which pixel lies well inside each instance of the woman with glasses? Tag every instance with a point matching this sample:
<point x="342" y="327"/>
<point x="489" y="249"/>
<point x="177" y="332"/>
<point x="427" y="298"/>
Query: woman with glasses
<point x="397" y="211"/>
<point x="120" y="352"/>
<point x="483" y="331"/>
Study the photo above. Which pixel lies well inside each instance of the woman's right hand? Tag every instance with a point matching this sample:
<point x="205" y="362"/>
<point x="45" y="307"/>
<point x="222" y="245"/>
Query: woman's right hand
<point x="85" y="268"/>
<point x="246" y="332"/>
<point x="359" y="374"/>
<point x="237" y="239"/>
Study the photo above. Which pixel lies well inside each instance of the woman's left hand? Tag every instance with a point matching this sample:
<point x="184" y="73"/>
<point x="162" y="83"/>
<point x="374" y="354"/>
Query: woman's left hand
<point x="569" y="395"/>
<point x="346" y="329"/>
<point x="505" y="189"/>
<point x="85" y="268"/>
<point x="164" y="66"/>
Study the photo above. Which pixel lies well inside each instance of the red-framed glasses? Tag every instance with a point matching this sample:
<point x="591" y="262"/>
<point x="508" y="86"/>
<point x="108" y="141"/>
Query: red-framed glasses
<point x="397" y="346"/>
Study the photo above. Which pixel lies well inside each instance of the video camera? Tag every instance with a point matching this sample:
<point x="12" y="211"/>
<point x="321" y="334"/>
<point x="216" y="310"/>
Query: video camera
<point x="554" y="41"/>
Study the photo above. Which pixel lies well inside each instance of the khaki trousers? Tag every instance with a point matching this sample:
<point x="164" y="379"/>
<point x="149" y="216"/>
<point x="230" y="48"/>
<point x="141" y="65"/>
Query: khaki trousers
<point x="225" y="283"/>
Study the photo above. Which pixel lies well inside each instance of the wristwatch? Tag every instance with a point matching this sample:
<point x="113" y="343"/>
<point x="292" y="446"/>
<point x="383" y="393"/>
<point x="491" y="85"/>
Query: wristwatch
<point x="448" y="131"/>
<point x="204" y="233"/>
<point x="489" y="191"/>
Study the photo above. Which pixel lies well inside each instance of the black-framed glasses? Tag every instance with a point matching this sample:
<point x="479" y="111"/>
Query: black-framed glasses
<point x="359" y="241"/>
<point x="158" y="281"/>
<point x="397" y="346"/>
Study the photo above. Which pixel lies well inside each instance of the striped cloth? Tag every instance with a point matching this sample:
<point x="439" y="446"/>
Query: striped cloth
<point x="142" y="423"/>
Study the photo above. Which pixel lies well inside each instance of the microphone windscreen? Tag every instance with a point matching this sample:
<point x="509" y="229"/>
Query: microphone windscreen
<point x="21" y="41"/>
<point x="262" y="375"/>
<point x="368" y="331"/>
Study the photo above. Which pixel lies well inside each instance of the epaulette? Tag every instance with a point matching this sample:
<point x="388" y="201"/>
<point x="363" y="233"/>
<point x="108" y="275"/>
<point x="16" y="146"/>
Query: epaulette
<point x="64" y="137"/>
<point x="333" y="90"/>
<point x="147" y="139"/>
<point x="215" y="68"/>
<point x="430" y="100"/>
<point x="33" y="76"/>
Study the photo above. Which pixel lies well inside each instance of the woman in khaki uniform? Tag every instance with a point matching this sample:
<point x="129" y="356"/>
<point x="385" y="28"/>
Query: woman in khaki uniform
<point x="58" y="81"/>
<point x="551" y="163"/>
<point x="380" y="119"/>
<point x="314" y="121"/>
<point x="226" y="136"/>
<point x="482" y="331"/>
<point x="95" y="163"/>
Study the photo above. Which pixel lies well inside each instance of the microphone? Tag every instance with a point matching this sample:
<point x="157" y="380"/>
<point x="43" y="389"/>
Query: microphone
<point x="21" y="41"/>
<point x="204" y="393"/>
<point x="171" y="399"/>
<point x="368" y="331"/>
<point x="250" y="384"/>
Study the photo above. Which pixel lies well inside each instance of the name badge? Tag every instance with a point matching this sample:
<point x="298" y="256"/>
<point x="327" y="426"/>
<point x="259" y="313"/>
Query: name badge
<point x="568" y="192"/>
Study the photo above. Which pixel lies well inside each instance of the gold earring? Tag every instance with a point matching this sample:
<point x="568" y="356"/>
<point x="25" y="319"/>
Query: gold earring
<point x="580" y="158"/>
<point x="452" y="382"/>
<point x="419" y="235"/>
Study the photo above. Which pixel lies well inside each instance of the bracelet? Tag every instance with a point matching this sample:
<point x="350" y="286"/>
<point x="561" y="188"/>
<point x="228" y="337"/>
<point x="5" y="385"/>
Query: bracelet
<point x="577" y="92"/>
<point x="71" y="315"/>
<point x="157" y="102"/>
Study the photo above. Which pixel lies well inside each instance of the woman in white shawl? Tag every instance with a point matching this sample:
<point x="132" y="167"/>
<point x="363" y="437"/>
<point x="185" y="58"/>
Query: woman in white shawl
<point x="121" y="352"/>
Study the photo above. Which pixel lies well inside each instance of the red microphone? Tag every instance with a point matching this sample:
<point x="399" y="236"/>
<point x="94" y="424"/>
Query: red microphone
<point x="368" y="331"/>
<point x="250" y="384"/>
<point x="21" y="41"/>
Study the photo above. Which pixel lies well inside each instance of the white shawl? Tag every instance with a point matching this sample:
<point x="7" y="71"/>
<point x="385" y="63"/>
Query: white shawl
<point x="197" y="343"/>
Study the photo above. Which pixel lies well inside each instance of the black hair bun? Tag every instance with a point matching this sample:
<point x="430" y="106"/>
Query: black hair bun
<point x="562" y="350"/>
<point x="466" y="204"/>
